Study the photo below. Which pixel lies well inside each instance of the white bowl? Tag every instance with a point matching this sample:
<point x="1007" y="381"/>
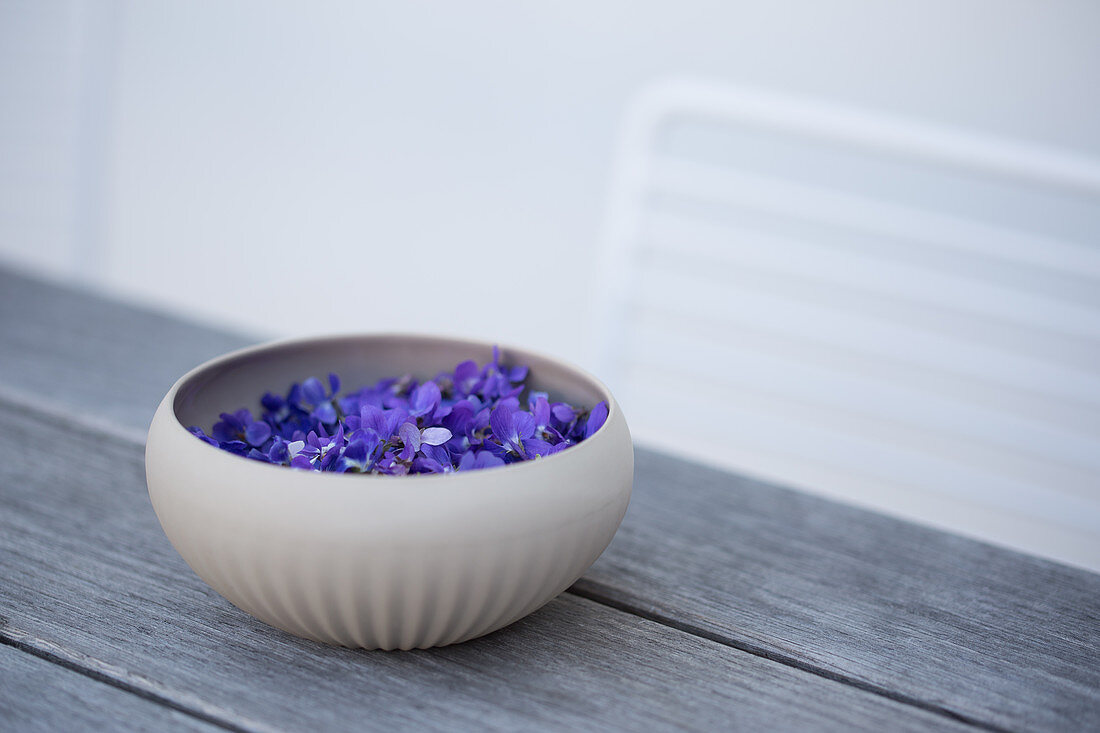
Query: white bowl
<point x="386" y="562"/>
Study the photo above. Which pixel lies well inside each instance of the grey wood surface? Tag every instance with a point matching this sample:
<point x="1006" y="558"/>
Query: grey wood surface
<point x="95" y="356"/>
<point x="40" y="695"/>
<point x="89" y="574"/>
<point x="931" y="618"/>
<point x="939" y="623"/>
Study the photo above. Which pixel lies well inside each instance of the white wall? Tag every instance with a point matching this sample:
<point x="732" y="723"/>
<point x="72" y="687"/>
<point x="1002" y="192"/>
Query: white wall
<point x="286" y="168"/>
<point x="364" y="157"/>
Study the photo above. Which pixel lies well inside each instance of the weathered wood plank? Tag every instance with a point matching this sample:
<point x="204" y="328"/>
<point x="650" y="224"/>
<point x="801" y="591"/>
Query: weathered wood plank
<point x="93" y="355"/>
<point x="85" y="567"/>
<point x="37" y="695"/>
<point x="983" y="633"/>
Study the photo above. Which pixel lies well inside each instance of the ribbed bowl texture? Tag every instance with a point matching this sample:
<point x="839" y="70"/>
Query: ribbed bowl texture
<point x="382" y="562"/>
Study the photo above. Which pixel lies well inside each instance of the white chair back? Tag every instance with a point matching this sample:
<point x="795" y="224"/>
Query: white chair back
<point x="893" y="313"/>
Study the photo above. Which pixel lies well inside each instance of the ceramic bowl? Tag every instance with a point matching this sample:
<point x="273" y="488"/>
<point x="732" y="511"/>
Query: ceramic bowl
<point x="382" y="562"/>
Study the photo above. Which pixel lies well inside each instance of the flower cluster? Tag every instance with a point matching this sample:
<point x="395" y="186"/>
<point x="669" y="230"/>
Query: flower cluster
<point x="466" y="419"/>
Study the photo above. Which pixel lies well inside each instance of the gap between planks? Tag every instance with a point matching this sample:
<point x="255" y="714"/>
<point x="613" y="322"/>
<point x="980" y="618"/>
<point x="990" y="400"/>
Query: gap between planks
<point x="197" y="708"/>
<point x="592" y="592"/>
<point x="121" y="679"/>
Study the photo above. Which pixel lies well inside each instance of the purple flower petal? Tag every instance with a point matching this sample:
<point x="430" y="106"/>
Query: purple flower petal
<point x="198" y="433"/>
<point x="332" y="455"/>
<point x="434" y="436"/>
<point x="466" y="375"/>
<point x="301" y="461"/>
<point x="498" y="450"/>
<point x="468" y="418"/>
<point x="357" y="452"/>
<point x="313" y="391"/>
<point x="483" y="459"/>
<point x="257" y="433"/>
<point x="479" y="423"/>
<point x="563" y="413"/>
<point x="410" y="436"/>
<point x="541" y="412"/>
<point x="234" y="446"/>
<point x="272" y="402"/>
<point x="425" y="399"/>
<point x="437" y="453"/>
<point x="524" y="423"/>
<point x="393" y="419"/>
<point x="596" y="419"/>
<point x="503" y="425"/>
<point x="536" y="448"/>
<point x="459" y="417"/>
<point x="488" y="460"/>
<point x="229" y="428"/>
<point x="423" y="464"/>
<point x="324" y="412"/>
<point x="373" y="418"/>
<point x="278" y="452"/>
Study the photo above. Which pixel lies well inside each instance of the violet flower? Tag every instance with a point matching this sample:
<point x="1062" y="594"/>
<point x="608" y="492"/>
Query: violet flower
<point x="471" y="418"/>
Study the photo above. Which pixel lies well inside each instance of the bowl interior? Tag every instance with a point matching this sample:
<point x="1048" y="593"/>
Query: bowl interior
<point x="239" y="380"/>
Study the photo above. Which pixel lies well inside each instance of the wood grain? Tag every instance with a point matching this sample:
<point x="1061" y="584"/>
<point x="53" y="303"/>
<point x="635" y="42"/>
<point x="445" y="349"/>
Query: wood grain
<point x="990" y="636"/>
<point x="95" y="356"/>
<point x="980" y="632"/>
<point x="86" y="572"/>
<point x="37" y="695"/>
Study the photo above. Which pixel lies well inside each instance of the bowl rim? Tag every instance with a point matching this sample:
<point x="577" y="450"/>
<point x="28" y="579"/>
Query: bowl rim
<point x="594" y="442"/>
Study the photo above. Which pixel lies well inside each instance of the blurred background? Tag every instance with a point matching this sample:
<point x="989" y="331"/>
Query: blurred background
<point x="847" y="246"/>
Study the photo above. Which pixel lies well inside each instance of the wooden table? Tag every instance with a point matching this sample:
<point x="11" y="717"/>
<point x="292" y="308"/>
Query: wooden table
<point x="722" y="603"/>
